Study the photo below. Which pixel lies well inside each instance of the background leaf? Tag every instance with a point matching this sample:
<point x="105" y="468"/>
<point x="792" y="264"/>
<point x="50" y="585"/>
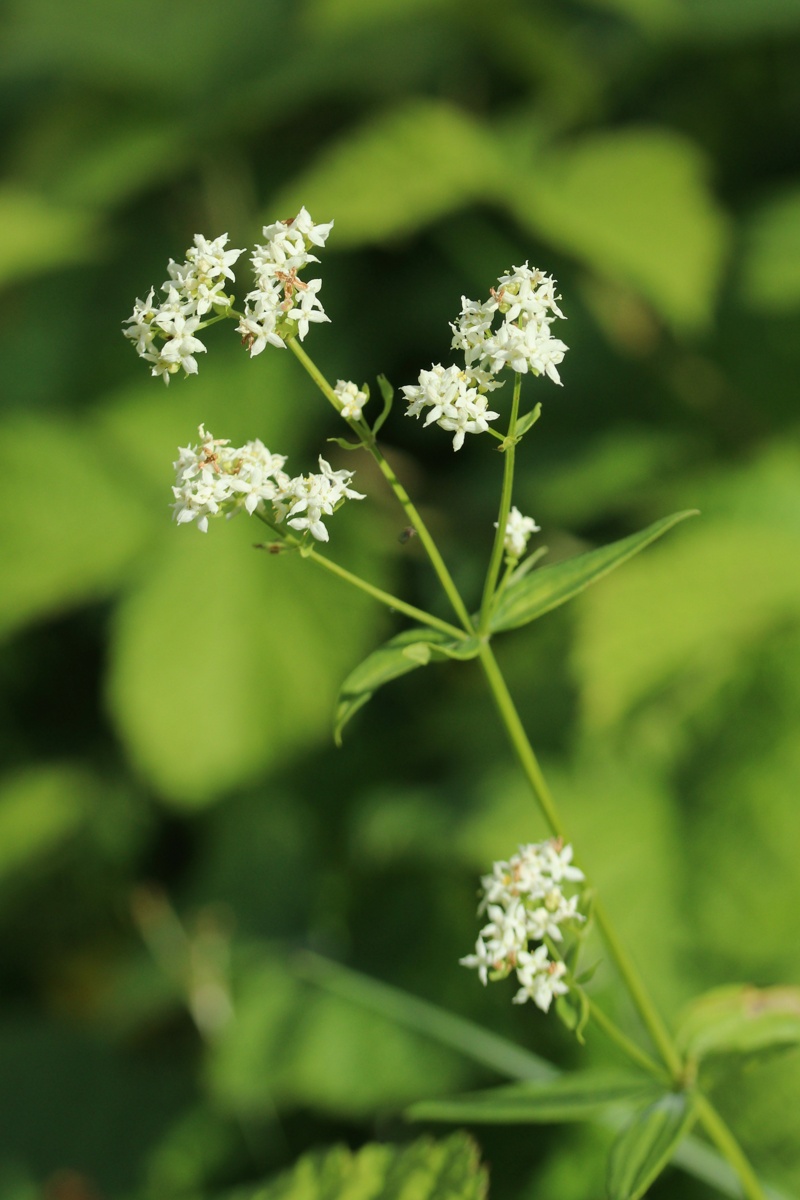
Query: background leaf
<point x="450" y="1167"/>
<point x="646" y="1145"/>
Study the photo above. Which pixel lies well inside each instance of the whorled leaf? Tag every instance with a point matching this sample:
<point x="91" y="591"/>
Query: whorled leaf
<point x="646" y="1145"/>
<point x="425" y="1170"/>
<point x="538" y="593"/>
<point x="410" y="649"/>
<point x="578" y="1096"/>
<point x="740" y="1020"/>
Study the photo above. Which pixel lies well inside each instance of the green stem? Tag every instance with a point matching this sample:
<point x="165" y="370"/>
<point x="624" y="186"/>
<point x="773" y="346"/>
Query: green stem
<point x="728" y="1146"/>
<point x="414" y="518"/>
<point x="505" y="507"/>
<point x="533" y="773"/>
<point x="393" y="602"/>
<point x="626" y="1044"/>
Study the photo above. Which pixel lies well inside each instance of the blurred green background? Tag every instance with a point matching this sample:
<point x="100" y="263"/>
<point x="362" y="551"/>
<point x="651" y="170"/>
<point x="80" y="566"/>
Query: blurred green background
<point x="175" y="823"/>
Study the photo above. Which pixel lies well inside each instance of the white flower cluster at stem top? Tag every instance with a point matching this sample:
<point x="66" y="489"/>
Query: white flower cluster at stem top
<point x="215" y="479"/>
<point x="526" y="305"/>
<point x="164" y="334"/>
<point x="281" y="305"/>
<point x="525" y="904"/>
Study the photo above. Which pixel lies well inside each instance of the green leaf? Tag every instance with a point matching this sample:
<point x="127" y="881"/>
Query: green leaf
<point x="646" y="1145"/>
<point x="59" y="554"/>
<point x="225" y="661"/>
<point x="396" y="173"/>
<point x="387" y="392"/>
<point x="739" y="1019"/>
<point x="770" y="270"/>
<point x="410" y="649"/>
<point x="573" y="1097"/>
<point x="537" y="594"/>
<point x="652" y="222"/>
<point x="573" y="1011"/>
<point x="296" y="1046"/>
<point x="39" y="809"/>
<point x="528" y="421"/>
<point x="425" y="1170"/>
<point x="39" y="235"/>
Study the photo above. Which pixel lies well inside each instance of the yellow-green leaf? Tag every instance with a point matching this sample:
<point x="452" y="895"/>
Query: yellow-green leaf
<point x="577" y="1096"/>
<point x="540" y="591"/>
<point x="396" y="173"/>
<point x="646" y="1145"/>
<point x="739" y="1019"/>
<point x="637" y="207"/>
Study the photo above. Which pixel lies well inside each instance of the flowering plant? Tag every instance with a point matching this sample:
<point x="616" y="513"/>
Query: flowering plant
<point x="538" y="905"/>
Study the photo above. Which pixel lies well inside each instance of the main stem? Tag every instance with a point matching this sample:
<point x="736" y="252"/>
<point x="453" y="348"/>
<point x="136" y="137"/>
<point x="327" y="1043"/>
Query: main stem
<point x="437" y="562"/>
<point x="505" y="507"/>
<point x="709" y="1118"/>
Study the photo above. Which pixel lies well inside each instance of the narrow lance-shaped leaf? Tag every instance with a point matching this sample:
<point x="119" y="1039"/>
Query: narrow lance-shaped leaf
<point x="538" y="593"/>
<point x="574" y="1097"/>
<point x="408" y="650"/>
<point x="646" y="1145"/>
<point x="387" y="392"/>
<point x="739" y="1020"/>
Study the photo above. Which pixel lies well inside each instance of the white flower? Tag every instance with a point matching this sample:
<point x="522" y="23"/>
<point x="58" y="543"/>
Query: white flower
<point x="352" y="399"/>
<point x="281" y="305"/>
<point x="518" y="530"/>
<point x="525" y="905"/>
<point x="306" y="499"/>
<point x="217" y="478"/>
<point x="540" y="980"/>
<point x="454" y="403"/>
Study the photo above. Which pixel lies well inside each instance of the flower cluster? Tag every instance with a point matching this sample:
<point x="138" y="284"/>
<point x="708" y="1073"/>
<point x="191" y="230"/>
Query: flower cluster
<point x="453" y="399"/>
<point x="526" y="303"/>
<point x="215" y="479"/>
<point x="281" y="303"/>
<point x="525" y="904"/>
<point x="525" y="299"/>
<point x="352" y="399"/>
<point x="518" y="530"/>
<point x="164" y="334"/>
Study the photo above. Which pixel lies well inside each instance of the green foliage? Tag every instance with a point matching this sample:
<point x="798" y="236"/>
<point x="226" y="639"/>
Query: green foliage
<point x="739" y="1020"/>
<point x="428" y="1170"/>
<point x="165" y="698"/>
<point x="646" y="1145"/>
<point x="406" y="652"/>
<point x="573" y="1097"/>
<point x="292" y="1046"/>
<point x="398" y="173"/>
<point x="539" y="593"/>
<point x="651" y="223"/>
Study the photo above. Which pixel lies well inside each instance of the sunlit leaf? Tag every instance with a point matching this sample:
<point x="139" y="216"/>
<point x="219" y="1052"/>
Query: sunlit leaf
<point x="294" y="1046"/>
<point x="687" y="612"/>
<point x="770" y="270"/>
<point x="537" y="593"/>
<point x="646" y="1145"/>
<point x="225" y="660"/>
<point x="425" y="1170"/>
<point x="396" y="173"/>
<point x="576" y="1096"/>
<point x="68" y="541"/>
<point x="739" y="1019"/>
<point x="636" y="206"/>
<point x="39" y="809"/>
<point x="37" y="234"/>
<point x="406" y="652"/>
